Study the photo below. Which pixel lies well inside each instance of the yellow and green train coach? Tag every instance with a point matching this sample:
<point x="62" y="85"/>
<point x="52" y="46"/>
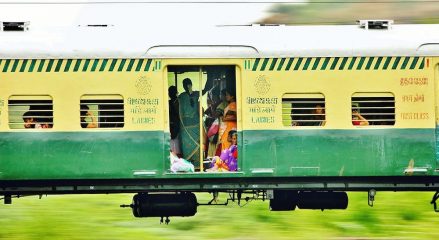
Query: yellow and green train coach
<point x="319" y="110"/>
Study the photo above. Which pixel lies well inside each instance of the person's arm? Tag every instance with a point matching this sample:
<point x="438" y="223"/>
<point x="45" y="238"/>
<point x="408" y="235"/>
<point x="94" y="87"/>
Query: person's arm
<point x="363" y="121"/>
<point x="93" y="123"/>
<point x="230" y="113"/>
<point x="230" y="116"/>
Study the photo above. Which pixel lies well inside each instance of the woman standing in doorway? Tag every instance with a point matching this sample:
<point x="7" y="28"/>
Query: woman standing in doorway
<point x="189" y="123"/>
<point x="228" y="122"/>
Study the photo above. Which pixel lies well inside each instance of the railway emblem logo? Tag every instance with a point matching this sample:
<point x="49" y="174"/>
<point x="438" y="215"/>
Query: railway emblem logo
<point x="143" y="85"/>
<point x="262" y="85"/>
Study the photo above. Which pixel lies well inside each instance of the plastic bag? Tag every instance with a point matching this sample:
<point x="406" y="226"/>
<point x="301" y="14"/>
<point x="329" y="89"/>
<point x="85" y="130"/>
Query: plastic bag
<point x="180" y="164"/>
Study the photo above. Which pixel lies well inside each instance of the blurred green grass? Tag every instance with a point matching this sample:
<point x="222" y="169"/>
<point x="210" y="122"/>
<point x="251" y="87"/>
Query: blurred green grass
<point x="403" y="215"/>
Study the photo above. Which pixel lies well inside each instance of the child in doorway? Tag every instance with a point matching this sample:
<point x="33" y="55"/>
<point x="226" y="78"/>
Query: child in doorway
<point x="228" y="161"/>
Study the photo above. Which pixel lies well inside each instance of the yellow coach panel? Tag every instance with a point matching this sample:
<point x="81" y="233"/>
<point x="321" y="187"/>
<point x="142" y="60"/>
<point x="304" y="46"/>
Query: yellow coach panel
<point x="138" y="81"/>
<point x="142" y="84"/>
<point x="409" y="79"/>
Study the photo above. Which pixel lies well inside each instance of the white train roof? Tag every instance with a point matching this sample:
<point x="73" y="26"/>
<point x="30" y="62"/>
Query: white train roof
<point x="219" y="42"/>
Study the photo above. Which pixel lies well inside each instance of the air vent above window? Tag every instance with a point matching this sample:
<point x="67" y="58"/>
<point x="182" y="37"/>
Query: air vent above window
<point x="375" y="24"/>
<point x="14" y="26"/>
<point x="267" y="25"/>
<point x="96" y="25"/>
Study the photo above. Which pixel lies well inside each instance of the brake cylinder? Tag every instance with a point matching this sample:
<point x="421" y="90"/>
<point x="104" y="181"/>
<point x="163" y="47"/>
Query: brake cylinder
<point x="323" y="200"/>
<point x="165" y="205"/>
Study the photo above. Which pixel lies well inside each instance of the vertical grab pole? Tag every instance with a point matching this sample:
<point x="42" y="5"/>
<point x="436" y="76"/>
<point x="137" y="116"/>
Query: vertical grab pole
<point x="200" y="108"/>
<point x="239" y="124"/>
<point x="426" y="61"/>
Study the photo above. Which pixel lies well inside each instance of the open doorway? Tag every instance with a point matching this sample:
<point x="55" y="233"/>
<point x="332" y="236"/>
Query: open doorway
<point x="202" y="114"/>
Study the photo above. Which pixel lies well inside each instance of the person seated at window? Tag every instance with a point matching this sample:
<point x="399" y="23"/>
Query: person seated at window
<point x="46" y="123"/>
<point x="29" y="120"/>
<point x="228" y="161"/>
<point x="318" y="115"/>
<point x="86" y="113"/>
<point x="358" y="120"/>
<point x="294" y="123"/>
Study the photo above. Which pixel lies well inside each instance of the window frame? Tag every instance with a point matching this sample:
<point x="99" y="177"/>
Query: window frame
<point x="372" y="113"/>
<point x="38" y="100"/>
<point x="316" y="98"/>
<point x="97" y="101"/>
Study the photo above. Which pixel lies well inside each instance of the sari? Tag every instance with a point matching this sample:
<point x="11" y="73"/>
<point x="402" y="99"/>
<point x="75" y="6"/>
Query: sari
<point x="227" y="161"/>
<point x="228" y="124"/>
<point x="190" y="127"/>
<point x="216" y="141"/>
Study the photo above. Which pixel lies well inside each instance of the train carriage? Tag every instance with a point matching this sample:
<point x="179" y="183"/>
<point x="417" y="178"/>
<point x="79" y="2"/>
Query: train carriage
<point x="319" y="110"/>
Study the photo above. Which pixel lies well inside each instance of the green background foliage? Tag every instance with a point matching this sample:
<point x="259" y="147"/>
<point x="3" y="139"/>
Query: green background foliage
<point x="348" y="11"/>
<point x="406" y="215"/>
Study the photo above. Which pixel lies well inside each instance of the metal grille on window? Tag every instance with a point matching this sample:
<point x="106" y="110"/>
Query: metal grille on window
<point x="303" y="110"/>
<point x="101" y="113"/>
<point x="373" y="109"/>
<point x="30" y="112"/>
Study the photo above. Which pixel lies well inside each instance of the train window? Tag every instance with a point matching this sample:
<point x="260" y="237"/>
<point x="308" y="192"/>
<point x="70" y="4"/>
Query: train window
<point x="303" y="109"/>
<point x="102" y="111"/>
<point x="30" y="112"/>
<point x="373" y="109"/>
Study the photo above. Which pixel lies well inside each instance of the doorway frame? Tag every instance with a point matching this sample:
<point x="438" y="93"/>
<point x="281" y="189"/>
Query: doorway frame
<point x="238" y="91"/>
